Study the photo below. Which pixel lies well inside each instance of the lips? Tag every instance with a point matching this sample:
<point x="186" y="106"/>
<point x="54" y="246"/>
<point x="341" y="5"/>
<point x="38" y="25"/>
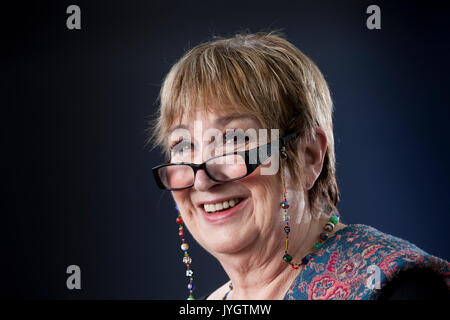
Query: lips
<point x="212" y="212"/>
<point x="218" y="200"/>
<point x="221" y="205"/>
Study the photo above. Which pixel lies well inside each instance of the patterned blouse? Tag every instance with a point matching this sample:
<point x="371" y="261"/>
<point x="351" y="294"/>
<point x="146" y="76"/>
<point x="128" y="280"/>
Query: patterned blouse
<point x="357" y="262"/>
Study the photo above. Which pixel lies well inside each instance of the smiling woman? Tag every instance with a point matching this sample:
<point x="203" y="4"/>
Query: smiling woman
<point x="265" y="205"/>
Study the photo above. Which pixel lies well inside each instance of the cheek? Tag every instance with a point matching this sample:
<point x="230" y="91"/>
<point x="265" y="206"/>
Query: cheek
<point x="267" y="186"/>
<point x="266" y="195"/>
<point x="183" y="202"/>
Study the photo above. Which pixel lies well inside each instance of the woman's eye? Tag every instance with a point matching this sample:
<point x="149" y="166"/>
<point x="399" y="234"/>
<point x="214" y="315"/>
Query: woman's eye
<point x="182" y="147"/>
<point x="235" y="138"/>
<point x="230" y="140"/>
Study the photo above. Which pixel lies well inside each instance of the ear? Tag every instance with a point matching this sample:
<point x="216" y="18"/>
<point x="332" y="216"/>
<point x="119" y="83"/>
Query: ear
<point x="314" y="153"/>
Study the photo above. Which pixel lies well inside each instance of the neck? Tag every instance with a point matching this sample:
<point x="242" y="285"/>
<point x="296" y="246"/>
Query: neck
<point x="258" y="272"/>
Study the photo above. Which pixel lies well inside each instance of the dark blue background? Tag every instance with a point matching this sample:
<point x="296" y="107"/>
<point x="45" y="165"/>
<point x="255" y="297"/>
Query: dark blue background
<point x="77" y="183"/>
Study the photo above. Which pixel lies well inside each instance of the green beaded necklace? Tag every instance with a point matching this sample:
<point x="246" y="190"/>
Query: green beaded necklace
<point x="329" y="227"/>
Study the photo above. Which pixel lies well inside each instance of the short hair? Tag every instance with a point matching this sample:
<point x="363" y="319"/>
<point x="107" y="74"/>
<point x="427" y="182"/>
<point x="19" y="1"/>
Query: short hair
<point x="266" y="76"/>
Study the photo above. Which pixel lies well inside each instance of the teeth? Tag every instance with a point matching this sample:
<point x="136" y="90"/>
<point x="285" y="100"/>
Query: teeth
<point x="221" y="205"/>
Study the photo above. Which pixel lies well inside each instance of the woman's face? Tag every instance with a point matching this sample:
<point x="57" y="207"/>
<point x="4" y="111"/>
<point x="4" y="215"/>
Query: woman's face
<point x="243" y="225"/>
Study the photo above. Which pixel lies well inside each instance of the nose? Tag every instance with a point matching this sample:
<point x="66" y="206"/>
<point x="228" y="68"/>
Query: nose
<point x="203" y="182"/>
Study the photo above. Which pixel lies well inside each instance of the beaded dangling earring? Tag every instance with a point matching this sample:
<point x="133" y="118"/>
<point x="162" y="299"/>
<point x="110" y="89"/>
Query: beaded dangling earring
<point x="187" y="260"/>
<point x="332" y="222"/>
<point x="285" y="206"/>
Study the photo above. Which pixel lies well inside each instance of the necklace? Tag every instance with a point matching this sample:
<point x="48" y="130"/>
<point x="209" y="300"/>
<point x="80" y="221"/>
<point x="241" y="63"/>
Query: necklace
<point x="328" y="228"/>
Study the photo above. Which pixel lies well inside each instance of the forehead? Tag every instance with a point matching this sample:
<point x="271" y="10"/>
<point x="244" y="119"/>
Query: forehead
<point x="213" y="119"/>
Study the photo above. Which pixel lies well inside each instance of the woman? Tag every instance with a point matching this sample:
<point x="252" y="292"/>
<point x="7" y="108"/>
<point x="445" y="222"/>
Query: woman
<point x="246" y="125"/>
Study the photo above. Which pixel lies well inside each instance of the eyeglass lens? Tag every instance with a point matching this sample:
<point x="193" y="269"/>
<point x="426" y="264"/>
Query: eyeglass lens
<point x="224" y="168"/>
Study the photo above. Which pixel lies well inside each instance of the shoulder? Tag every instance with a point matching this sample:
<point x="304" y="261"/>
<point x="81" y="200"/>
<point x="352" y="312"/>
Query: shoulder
<point x="378" y="246"/>
<point x="386" y="257"/>
<point x="358" y="261"/>
<point x="219" y="292"/>
<point x="368" y="236"/>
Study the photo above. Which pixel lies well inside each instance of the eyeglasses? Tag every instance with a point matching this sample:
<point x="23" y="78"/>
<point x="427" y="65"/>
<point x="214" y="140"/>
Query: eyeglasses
<point x="222" y="168"/>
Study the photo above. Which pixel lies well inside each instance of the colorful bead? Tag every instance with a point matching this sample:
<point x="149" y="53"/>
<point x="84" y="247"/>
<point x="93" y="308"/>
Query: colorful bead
<point x="286" y="217"/>
<point x="285" y="205"/>
<point x="189" y="273"/>
<point x="190" y="297"/>
<point x="334" y="220"/>
<point x="329" y="227"/>
<point x="323" y="236"/>
<point x="287" y="229"/>
<point x="306" y="258"/>
<point x="228" y="292"/>
<point x="184" y="246"/>
<point x="190" y="286"/>
<point x="287" y="258"/>
<point x="187" y="260"/>
<point x="179" y="220"/>
<point x="318" y="245"/>
<point x="294" y="265"/>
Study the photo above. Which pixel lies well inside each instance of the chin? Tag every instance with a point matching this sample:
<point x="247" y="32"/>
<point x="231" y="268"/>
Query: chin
<point x="228" y="242"/>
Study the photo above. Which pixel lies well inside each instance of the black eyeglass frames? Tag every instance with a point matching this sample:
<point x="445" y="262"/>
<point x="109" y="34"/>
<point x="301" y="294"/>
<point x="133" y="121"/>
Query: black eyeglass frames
<point x="222" y="168"/>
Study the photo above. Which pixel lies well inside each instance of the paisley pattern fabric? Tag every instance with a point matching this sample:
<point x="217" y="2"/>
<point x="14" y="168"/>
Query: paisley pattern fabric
<point x="352" y="259"/>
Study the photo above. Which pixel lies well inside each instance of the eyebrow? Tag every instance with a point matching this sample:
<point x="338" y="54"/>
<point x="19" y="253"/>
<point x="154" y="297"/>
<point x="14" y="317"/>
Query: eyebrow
<point x="222" y="121"/>
<point x="219" y="122"/>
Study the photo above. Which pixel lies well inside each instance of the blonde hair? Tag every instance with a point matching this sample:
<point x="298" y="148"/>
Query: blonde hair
<point x="260" y="74"/>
